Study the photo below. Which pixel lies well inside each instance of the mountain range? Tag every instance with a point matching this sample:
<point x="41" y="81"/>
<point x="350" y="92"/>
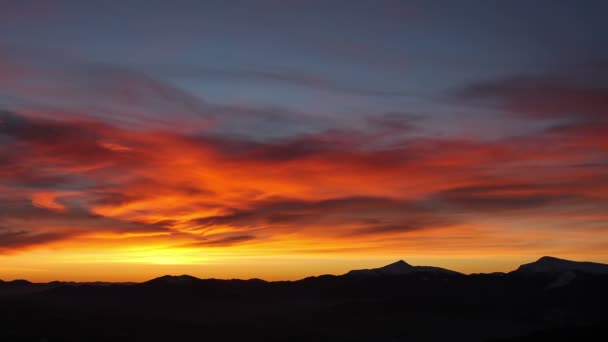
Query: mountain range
<point x="546" y="266"/>
<point x="550" y="299"/>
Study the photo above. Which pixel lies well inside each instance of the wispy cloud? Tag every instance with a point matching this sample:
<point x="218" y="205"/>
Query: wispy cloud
<point x="279" y="76"/>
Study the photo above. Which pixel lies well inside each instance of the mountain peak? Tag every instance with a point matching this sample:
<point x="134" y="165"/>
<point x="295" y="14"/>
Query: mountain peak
<point x="399" y="268"/>
<point x="549" y="264"/>
<point x="551" y="259"/>
<point x="20" y="282"/>
<point x="400" y="262"/>
<point x="174" y="280"/>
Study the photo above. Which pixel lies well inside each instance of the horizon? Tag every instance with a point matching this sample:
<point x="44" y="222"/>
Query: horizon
<point x="283" y="139"/>
<point x="289" y="279"/>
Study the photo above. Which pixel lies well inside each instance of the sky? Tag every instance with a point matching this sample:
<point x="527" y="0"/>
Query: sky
<point x="283" y="139"/>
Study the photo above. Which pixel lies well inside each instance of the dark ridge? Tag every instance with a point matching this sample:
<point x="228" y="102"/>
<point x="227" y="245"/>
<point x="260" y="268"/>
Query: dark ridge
<point x="553" y="265"/>
<point x="396" y="302"/>
<point x="401" y="268"/>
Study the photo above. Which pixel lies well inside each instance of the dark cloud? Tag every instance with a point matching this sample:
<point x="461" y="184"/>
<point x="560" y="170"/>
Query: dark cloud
<point x="302" y="146"/>
<point x="502" y="198"/>
<point x="143" y="188"/>
<point x="15" y="239"/>
<point x="386" y="148"/>
<point x="21" y="128"/>
<point x="78" y="140"/>
<point x="590" y="134"/>
<point x="46" y="153"/>
<point x="338" y="216"/>
<point x="578" y="96"/>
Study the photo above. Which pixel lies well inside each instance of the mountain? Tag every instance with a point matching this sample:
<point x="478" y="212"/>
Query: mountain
<point x="400" y="268"/>
<point x="396" y="302"/>
<point x="552" y="265"/>
<point x="174" y="280"/>
<point x="18" y="282"/>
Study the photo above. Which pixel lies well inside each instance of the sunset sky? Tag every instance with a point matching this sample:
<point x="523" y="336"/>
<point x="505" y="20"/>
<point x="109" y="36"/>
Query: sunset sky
<point x="282" y="139"/>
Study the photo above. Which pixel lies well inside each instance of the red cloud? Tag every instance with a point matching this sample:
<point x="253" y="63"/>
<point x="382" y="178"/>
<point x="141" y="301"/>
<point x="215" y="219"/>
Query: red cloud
<point x="333" y="185"/>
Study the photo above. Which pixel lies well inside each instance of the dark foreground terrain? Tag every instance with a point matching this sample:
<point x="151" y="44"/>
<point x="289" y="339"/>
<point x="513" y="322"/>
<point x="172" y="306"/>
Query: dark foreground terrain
<point x="548" y="300"/>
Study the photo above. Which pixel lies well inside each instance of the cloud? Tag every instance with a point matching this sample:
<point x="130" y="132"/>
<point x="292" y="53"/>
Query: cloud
<point x="222" y="240"/>
<point x="579" y="93"/>
<point x="332" y="217"/>
<point x="41" y="152"/>
<point x="84" y="175"/>
<point x="588" y="134"/>
<point x="53" y="86"/>
<point x="40" y="84"/>
<point x="14" y="239"/>
<point x="23" y="224"/>
<point x="83" y="137"/>
<point x="506" y="197"/>
<point x="395" y="121"/>
<point x="278" y="76"/>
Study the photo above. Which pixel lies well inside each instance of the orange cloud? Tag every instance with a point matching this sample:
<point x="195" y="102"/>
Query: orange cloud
<point x="71" y="181"/>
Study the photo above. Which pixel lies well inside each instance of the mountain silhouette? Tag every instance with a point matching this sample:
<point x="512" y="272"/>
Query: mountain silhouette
<point x="546" y="265"/>
<point x="400" y="268"/>
<point x="174" y="280"/>
<point x="18" y="282"/>
<point x="552" y="265"/>
<point x="395" y="302"/>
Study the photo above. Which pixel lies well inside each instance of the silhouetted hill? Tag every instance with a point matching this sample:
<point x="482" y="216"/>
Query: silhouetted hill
<point x="400" y="268"/>
<point x="18" y="282"/>
<point x="397" y="302"/>
<point x="173" y="280"/>
<point x="554" y="265"/>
